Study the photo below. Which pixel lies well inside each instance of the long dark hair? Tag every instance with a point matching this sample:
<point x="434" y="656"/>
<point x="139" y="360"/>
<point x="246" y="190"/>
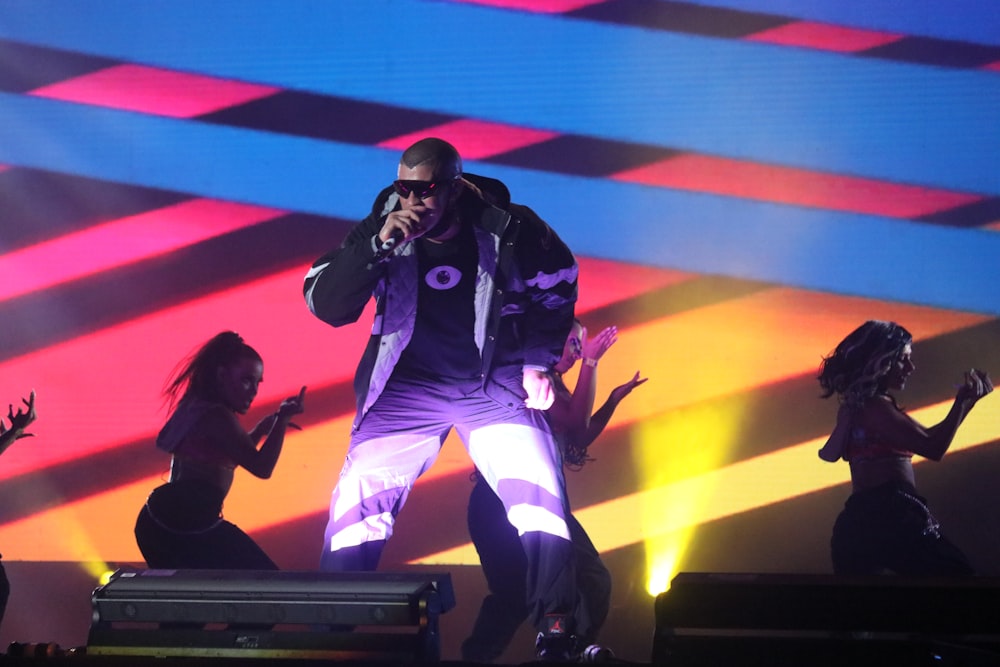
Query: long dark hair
<point x="195" y="376"/>
<point x="856" y="370"/>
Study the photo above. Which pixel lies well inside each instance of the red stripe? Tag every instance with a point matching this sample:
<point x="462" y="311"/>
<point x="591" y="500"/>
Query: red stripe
<point x="824" y="36"/>
<point x="120" y="242"/>
<point x="154" y="91"/>
<point x="126" y="365"/>
<point x="794" y="186"/>
<point x="604" y="282"/>
<point x="474" y="139"/>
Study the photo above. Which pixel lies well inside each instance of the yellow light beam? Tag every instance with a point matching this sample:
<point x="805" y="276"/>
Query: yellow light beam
<point x="740" y="487"/>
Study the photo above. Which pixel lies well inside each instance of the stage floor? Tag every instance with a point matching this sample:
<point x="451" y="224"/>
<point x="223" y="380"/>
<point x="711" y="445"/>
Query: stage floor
<point x="713" y="619"/>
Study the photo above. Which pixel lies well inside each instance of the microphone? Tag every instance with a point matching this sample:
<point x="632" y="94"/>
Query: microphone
<point x="388" y="245"/>
<point x="384" y="248"/>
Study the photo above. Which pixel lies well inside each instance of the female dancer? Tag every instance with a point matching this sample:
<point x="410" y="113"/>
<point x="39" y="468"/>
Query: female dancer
<point x="181" y="524"/>
<point x="18" y="423"/>
<point x="885" y="524"/>
<point x="576" y="425"/>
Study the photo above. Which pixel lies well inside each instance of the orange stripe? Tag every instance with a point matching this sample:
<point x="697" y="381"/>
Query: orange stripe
<point x="694" y="356"/>
<point x="739" y="178"/>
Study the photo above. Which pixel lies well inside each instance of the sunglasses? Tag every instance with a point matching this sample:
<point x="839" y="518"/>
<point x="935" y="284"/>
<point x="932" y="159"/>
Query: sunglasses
<point x="423" y="189"/>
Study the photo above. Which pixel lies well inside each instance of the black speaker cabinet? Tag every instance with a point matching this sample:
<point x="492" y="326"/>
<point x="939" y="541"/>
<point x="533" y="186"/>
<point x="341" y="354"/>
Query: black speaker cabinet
<point x="228" y="613"/>
<point x="772" y="619"/>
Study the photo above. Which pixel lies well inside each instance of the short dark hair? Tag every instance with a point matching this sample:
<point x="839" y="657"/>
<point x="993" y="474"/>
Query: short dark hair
<point x="442" y="157"/>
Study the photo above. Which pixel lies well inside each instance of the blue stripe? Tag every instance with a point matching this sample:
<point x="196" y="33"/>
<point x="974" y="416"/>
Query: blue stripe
<point x="900" y="122"/>
<point x="294" y="173"/>
<point x="810" y="248"/>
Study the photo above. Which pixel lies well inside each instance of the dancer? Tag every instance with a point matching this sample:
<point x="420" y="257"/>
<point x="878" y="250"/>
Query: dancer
<point x="885" y="525"/>
<point x="575" y="426"/>
<point x="19" y="421"/>
<point x="181" y="524"/>
<point x="474" y="300"/>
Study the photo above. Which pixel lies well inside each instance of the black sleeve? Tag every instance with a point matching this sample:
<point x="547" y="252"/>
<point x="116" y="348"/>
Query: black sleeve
<point x="340" y="283"/>
<point x="550" y="273"/>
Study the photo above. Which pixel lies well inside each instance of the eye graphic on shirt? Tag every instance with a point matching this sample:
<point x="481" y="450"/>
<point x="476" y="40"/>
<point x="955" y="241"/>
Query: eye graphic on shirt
<point x="443" y="277"/>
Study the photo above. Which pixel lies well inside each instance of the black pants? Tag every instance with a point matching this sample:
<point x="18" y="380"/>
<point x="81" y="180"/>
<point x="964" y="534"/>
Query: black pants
<point x="180" y="527"/>
<point x="4" y="591"/>
<point x="889" y="528"/>
<point x="501" y="552"/>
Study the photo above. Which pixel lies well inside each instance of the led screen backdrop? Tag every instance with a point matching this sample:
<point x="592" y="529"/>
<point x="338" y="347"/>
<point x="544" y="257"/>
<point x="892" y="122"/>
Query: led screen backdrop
<point x="743" y="183"/>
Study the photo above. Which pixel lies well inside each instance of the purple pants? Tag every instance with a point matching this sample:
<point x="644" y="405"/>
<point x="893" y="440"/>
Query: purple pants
<point x="511" y="446"/>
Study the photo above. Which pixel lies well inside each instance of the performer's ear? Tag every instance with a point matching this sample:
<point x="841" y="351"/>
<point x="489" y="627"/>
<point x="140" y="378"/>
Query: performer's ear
<point x="457" y="188"/>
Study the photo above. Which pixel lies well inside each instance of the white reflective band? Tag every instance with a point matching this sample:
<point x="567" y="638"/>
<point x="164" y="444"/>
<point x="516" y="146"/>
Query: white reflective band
<point x="372" y="529"/>
<point x="529" y="518"/>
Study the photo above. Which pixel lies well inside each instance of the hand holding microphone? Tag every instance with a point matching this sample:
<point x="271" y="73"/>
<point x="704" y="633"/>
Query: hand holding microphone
<point x="395" y="238"/>
<point x="400" y="226"/>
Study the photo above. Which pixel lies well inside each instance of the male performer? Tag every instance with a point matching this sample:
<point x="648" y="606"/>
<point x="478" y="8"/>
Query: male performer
<point x="474" y="301"/>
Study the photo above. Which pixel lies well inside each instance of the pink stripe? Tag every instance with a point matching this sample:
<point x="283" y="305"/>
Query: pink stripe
<point x="129" y="362"/>
<point x="154" y="91"/>
<point x="794" y="186"/>
<point x="475" y="139"/>
<point x="120" y="242"/>
<point x="603" y="282"/>
<point x="824" y="36"/>
<point x="537" y="6"/>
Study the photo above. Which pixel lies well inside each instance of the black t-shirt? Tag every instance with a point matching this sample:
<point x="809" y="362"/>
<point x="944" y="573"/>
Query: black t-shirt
<point x="443" y="344"/>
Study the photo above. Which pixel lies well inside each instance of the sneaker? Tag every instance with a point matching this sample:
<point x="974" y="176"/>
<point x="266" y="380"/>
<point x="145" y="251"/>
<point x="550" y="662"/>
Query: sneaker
<point x="596" y="653"/>
<point x="556" y="643"/>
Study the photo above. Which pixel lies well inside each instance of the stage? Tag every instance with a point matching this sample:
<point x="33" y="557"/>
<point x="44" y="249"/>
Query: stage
<point x="52" y="603"/>
<point x="198" y="617"/>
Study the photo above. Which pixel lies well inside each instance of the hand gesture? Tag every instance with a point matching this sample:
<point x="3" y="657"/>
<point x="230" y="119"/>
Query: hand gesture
<point x="538" y="386"/>
<point x="623" y="390"/>
<point x="594" y="348"/>
<point x="293" y="405"/>
<point x="977" y="384"/>
<point x="21" y="420"/>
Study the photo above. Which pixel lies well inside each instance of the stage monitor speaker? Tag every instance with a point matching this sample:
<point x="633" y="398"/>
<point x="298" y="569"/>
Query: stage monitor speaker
<point x="767" y="619"/>
<point x="231" y="613"/>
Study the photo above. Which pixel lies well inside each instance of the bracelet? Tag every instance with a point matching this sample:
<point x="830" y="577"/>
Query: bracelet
<point x="590" y="362"/>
